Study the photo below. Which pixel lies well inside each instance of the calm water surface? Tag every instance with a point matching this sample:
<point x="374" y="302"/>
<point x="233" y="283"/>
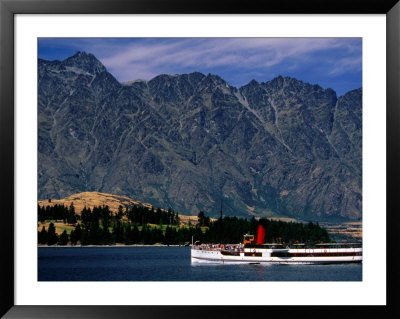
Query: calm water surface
<point x="171" y="264"/>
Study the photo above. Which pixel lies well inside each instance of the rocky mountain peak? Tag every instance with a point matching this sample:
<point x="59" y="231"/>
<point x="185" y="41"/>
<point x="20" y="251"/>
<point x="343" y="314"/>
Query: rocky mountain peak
<point x="253" y="83"/>
<point x="85" y="62"/>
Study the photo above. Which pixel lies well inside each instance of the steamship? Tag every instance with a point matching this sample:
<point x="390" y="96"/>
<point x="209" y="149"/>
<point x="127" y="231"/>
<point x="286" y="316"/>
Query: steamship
<point x="255" y="251"/>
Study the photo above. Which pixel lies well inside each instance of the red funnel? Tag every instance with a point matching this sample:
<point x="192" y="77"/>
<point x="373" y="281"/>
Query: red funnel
<point x="260" y="234"/>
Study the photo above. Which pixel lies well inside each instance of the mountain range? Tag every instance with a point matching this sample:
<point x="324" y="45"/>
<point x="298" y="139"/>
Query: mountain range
<point x="193" y="142"/>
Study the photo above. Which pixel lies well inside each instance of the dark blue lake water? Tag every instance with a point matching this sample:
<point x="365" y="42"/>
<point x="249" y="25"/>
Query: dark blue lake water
<point x="171" y="264"/>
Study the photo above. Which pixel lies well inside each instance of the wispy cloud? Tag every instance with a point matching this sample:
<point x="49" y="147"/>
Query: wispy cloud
<point x="176" y="54"/>
<point x="345" y="65"/>
<point x="238" y="58"/>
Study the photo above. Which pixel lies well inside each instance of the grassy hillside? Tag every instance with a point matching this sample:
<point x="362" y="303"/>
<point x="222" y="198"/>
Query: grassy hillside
<point x="91" y="199"/>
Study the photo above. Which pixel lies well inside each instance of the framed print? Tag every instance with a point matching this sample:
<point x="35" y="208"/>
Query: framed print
<point x="176" y="159"/>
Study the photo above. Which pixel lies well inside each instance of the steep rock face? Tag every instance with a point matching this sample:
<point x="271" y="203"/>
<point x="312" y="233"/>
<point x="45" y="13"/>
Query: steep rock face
<point x="283" y="147"/>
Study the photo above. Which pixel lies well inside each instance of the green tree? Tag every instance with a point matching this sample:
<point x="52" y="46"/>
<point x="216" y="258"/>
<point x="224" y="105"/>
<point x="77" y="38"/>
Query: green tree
<point x="120" y="213"/>
<point x="78" y="232"/>
<point x="84" y="239"/>
<point x="72" y="237"/>
<point x="200" y="218"/>
<point x="177" y="219"/>
<point x="41" y="214"/>
<point x="86" y="217"/>
<point x="105" y="217"/>
<point x="118" y="232"/>
<point x="146" y="235"/>
<point x="135" y="235"/>
<point x="52" y="237"/>
<point x="42" y="237"/>
<point x="170" y="237"/>
<point x="63" y="240"/>
<point x="71" y="217"/>
<point x="94" y="232"/>
<point x="128" y="234"/>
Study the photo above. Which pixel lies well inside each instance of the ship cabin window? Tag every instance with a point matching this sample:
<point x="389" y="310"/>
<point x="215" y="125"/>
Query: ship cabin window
<point x="268" y="246"/>
<point x="297" y="246"/>
<point x="339" y="245"/>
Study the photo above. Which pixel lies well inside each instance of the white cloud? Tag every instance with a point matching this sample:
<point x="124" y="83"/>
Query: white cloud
<point x="347" y="64"/>
<point x="145" y="58"/>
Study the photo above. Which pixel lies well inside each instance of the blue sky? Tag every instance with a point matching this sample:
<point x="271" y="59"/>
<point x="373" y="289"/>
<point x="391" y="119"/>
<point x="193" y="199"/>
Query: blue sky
<point x="330" y="62"/>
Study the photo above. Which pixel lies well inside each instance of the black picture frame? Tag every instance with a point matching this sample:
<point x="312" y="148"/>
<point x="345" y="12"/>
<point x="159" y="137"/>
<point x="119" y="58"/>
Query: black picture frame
<point x="8" y="10"/>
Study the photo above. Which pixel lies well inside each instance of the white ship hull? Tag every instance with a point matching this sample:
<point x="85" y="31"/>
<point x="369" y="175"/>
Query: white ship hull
<point x="280" y="256"/>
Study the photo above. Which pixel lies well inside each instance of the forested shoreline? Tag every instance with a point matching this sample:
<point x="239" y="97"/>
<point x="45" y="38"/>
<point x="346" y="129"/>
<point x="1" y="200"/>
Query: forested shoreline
<point x="138" y="225"/>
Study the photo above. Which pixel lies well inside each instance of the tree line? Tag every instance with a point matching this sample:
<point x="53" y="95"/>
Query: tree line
<point x="100" y="226"/>
<point x="136" y="214"/>
<point x="57" y="212"/>
<point x="123" y="233"/>
<point x="228" y="230"/>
